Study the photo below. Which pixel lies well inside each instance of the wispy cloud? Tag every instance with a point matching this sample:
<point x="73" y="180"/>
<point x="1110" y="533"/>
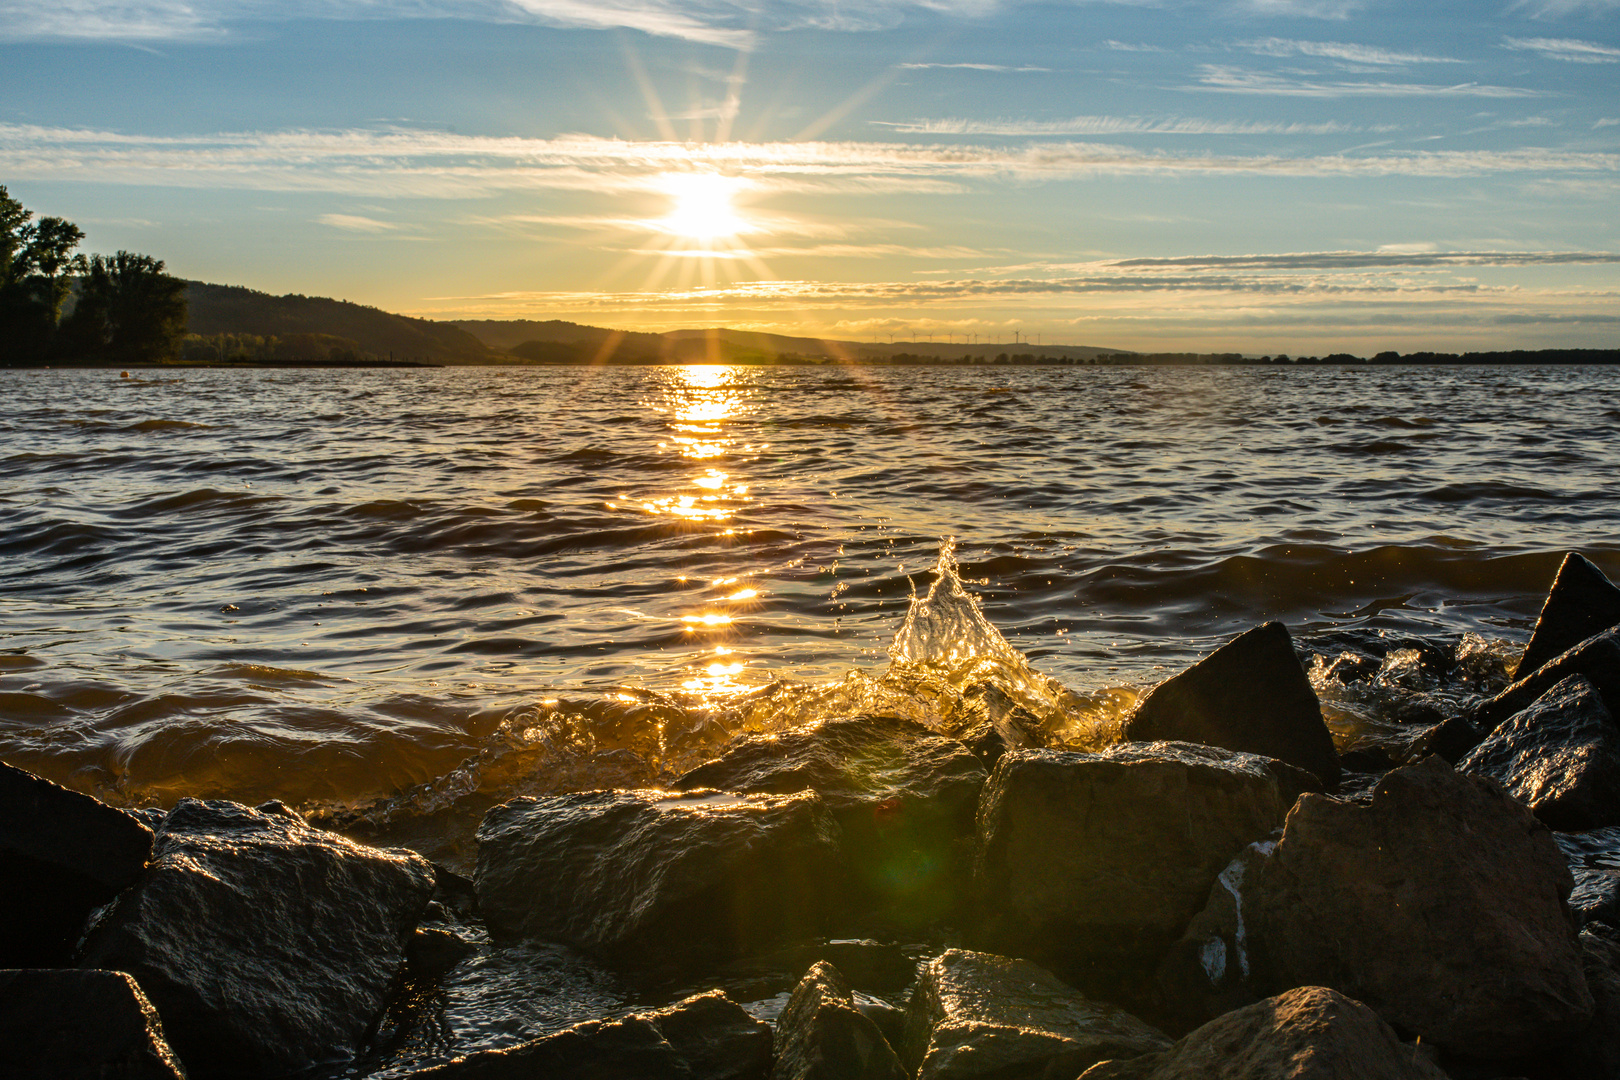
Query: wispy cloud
<point x="357" y="223"/>
<point x="1557" y="9"/>
<point x="1303" y="9"/>
<point x="409" y="163"/>
<point x="1122" y="125"/>
<point x="1403" y="255"/>
<point x="1338" y="50"/>
<point x="1233" y="80"/>
<point x="1567" y="49"/>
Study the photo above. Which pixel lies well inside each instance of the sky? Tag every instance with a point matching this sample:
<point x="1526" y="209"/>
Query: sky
<point x="1262" y="176"/>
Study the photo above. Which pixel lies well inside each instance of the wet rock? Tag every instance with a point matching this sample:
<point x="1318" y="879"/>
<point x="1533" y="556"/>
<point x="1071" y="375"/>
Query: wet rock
<point x="978" y="1015"/>
<point x="903" y="796"/>
<point x="267" y="946"/>
<point x="1560" y="757"/>
<point x="1581" y="603"/>
<point x="1451" y="739"/>
<point x="1596" y="1051"/>
<point x="1309" y="1033"/>
<point x="62" y="855"/>
<point x="648" y="877"/>
<point x="67" y="1024"/>
<point x="1597" y="658"/>
<point x="1251" y="695"/>
<point x="432" y="951"/>
<point x="1093" y="864"/>
<point x="1594" y="861"/>
<point x="705" y="1037"/>
<point x="822" y="1035"/>
<point x="1440" y="904"/>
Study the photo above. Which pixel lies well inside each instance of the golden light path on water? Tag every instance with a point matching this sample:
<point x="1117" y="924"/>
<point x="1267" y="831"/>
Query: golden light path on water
<point x="700" y="400"/>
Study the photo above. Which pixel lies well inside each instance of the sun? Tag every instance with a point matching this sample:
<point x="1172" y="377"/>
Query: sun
<point x="701" y="206"/>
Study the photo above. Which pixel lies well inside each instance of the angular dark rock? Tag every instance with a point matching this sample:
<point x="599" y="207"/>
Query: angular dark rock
<point x="62" y="855"/>
<point x="904" y="797"/>
<point x="1251" y="695"/>
<point x="1596" y="1051"/>
<point x="266" y="945"/>
<point x="1309" y="1033"/>
<point x="60" y="1024"/>
<point x="432" y="951"/>
<point x="1594" y="861"/>
<point x="1581" y="603"/>
<point x="1597" y="658"/>
<point x="1440" y="904"/>
<point x="977" y="1015"/>
<point x="1451" y="739"/>
<point x="821" y="1035"/>
<point x="1560" y="757"/>
<point x="1093" y="864"/>
<point x="705" y="1037"/>
<point x="647" y="877"/>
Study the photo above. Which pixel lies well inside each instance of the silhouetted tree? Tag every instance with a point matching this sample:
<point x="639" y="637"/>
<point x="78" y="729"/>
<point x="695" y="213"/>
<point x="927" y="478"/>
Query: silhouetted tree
<point x="37" y="267"/>
<point x="129" y="311"/>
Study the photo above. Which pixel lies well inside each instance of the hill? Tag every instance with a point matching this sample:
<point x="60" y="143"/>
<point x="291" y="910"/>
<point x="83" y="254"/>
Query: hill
<point x="231" y="309"/>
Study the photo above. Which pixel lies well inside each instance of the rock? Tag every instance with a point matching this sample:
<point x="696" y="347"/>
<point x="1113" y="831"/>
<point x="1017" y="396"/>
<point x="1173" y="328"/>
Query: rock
<point x="977" y="1015"/>
<point x="1560" y="757"/>
<point x="1581" y="603"/>
<point x="1594" y="861"/>
<point x="62" y="855"/>
<point x="1596" y="1052"/>
<point x="266" y="945"/>
<point x="903" y="796"/>
<point x="1251" y="695"/>
<point x="647" y="877"/>
<point x="1309" y="1033"/>
<point x="1440" y="904"/>
<point x="1093" y="864"/>
<point x="705" y="1037"/>
<point x="1597" y="658"/>
<point x="821" y="1035"/>
<point x="67" y="1024"/>
<point x="432" y="951"/>
<point x="1452" y="739"/>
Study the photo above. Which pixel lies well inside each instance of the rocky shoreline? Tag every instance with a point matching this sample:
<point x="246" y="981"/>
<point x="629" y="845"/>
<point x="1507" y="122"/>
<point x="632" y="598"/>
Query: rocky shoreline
<point x="1220" y="894"/>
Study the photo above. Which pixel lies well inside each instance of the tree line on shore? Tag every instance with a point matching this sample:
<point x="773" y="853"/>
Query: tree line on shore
<point x="58" y="305"/>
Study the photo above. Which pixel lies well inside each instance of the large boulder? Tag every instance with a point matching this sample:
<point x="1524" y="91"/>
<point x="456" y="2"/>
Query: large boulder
<point x="67" y="1024"/>
<point x="1581" y="603"/>
<point x="904" y="797"/>
<point x="1093" y="864"/>
<point x="1252" y="695"/>
<point x="1309" y="1033"/>
<point x="648" y="877"/>
<point x="62" y="855"/>
<point x="1597" y="659"/>
<point x="266" y="945"/>
<point x="823" y="1035"/>
<point x="1560" y="757"/>
<point x="975" y="1015"/>
<point x="705" y="1037"/>
<point x="1441" y="904"/>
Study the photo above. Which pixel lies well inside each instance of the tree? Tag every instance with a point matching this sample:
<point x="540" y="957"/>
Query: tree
<point x="129" y="311"/>
<point x="37" y="268"/>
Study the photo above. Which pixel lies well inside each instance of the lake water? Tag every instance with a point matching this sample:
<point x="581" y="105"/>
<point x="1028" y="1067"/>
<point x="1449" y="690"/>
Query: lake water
<point x="396" y="597"/>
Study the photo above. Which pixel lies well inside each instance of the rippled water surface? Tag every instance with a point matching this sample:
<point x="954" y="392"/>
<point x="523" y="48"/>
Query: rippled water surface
<point x="390" y="595"/>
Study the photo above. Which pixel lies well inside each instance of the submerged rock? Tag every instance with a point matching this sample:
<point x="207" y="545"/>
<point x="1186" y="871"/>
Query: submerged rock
<point x="67" y="1024"/>
<point x="705" y="1037"/>
<point x="646" y="877"/>
<point x="1560" y="757"/>
<point x="823" y="1035"/>
<point x="1094" y="863"/>
<point x="1440" y="904"/>
<point x="1597" y="658"/>
<point x="904" y="797"/>
<point x="1309" y="1033"/>
<point x="1594" y="861"/>
<point x="1581" y="603"/>
<point x="266" y="945"/>
<point x="1251" y="695"/>
<point x="977" y="1015"/>
<point x="62" y="855"/>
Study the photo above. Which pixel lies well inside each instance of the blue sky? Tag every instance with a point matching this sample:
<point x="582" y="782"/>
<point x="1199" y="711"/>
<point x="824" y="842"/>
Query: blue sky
<point x="1260" y="175"/>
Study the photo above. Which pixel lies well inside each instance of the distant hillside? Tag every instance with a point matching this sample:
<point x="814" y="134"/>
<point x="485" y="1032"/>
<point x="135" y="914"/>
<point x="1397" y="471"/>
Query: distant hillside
<point x="521" y="337"/>
<point x="230" y="309"/>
